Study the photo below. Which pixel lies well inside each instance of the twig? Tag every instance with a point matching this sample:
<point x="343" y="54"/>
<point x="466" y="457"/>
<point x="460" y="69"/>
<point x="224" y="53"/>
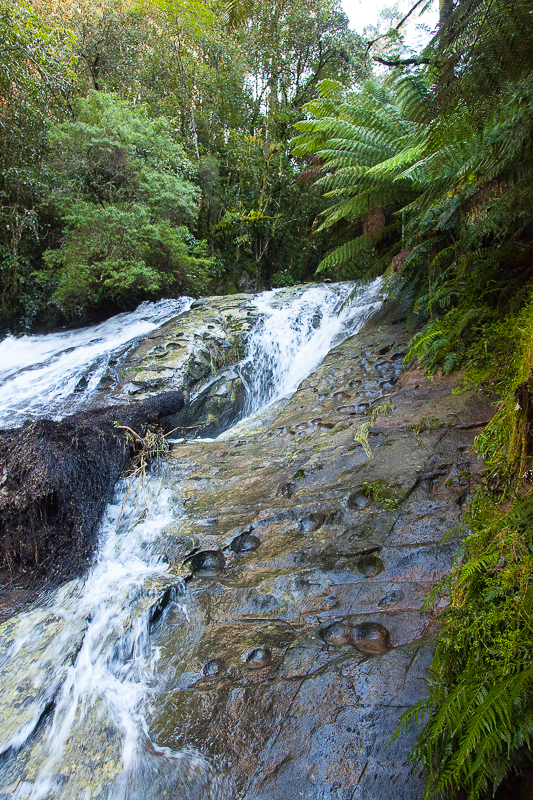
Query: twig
<point x="397" y="28"/>
<point x="183" y="428"/>
<point x="135" y="435"/>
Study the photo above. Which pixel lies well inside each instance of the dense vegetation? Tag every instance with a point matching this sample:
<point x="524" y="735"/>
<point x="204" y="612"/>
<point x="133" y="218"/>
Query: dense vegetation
<point x="146" y="151"/>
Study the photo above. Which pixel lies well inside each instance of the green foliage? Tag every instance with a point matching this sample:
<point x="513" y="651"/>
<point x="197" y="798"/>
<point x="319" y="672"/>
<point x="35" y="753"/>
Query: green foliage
<point x="224" y="80"/>
<point x="283" y="278"/>
<point x="35" y="74"/>
<point x="447" y="158"/>
<point x="481" y="47"/>
<point x="385" y="494"/>
<point x="120" y="254"/>
<point x="121" y="185"/>
<point x="361" y="437"/>
<point x="362" y="433"/>
<point x="477" y="723"/>
<point x="362" y="142"/>
<point x="479" y="715"/>
<point x="113" y="152"/>
<point x="425" y="425"/>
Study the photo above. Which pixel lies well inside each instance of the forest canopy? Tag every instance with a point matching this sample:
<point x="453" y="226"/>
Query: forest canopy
<point x="145" y="149"/>
<point x="152" y="149"/>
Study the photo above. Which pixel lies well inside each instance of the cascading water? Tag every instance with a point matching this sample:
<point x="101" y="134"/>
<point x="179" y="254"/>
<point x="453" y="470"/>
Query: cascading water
<point x="40" y="374"/>
<point x="103" y="694"/>
<point x="292" y="338"/>
<point x="83" y="661"/>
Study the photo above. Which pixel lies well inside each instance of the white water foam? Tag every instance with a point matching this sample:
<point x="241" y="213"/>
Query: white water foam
<point x="108" y="685"/>
<point x="39" y="374"/>
<point x="293" y="337"/>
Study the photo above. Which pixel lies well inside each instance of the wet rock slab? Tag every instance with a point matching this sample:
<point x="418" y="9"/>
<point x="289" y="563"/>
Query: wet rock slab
<point x="306" y="565"/>
<point x="196" y="351"/>
<point x="308" y="641"/>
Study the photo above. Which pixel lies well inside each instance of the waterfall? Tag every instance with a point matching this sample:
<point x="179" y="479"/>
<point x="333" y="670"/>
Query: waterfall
<point x="58" y="373"/>
<point x="86" y="650"/>
<point x="114" y="668"/>
<point x="292" y="337"/>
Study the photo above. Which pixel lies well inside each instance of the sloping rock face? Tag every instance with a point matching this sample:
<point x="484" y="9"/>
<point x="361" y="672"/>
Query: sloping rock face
<point x="309" y="563"/>
<point x="308" y="539"/>
<point x="197" y="352"/>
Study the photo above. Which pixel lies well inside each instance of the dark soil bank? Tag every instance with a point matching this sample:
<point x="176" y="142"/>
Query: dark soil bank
<point x="57" y="478"/>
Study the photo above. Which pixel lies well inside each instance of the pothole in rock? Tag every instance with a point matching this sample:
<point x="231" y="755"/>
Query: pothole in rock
<point x="363" y="536"/>
<point x="312" y="522"/>
<point x="370" y="565"/>
<point x="359" y="408"/>
<point x="206" y="562"/>
<point x="287" y="490"/>
<point x="358" y="500"/>
<point x="213" y="667"/>
<point x="210" y="522"/>
<point x="371" y="638"/>
<point x="337" y="634"/>
<point x="245" y="543"/>
<point x="259" y="657"/>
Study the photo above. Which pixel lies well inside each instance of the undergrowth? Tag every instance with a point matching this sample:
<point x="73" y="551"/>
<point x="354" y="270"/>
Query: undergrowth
<point x="476" y="726"/>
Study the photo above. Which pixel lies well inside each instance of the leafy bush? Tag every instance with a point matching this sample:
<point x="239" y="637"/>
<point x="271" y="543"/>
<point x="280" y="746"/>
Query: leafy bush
<point x="283" y="278"/>
<point x="121" y="186"/>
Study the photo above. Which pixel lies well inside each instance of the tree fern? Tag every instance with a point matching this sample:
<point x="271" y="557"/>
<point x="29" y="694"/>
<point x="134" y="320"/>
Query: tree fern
<point x="364" y="148"/>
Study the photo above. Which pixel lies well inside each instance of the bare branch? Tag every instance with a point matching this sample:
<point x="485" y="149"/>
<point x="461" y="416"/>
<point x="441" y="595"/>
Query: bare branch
<point x="397" y="28"/>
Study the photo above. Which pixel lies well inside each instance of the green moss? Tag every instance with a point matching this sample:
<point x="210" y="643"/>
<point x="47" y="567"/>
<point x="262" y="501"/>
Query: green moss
<point x="385" y="494"/>
<point x="425" y="425"/>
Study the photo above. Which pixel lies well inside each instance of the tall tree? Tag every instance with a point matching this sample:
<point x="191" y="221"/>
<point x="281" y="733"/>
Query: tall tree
<point x="35" y="79"/>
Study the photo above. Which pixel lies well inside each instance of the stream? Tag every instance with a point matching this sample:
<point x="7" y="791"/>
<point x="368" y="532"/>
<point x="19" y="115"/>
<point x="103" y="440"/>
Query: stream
<point x="79" y="669"/>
